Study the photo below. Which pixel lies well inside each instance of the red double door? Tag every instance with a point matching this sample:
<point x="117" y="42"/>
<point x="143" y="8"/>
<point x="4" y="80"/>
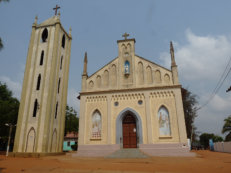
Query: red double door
<point x="129" y="132"/>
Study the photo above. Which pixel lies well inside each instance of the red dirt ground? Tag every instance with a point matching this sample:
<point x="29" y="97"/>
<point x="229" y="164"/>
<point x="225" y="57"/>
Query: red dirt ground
<point x="204" y="162"/>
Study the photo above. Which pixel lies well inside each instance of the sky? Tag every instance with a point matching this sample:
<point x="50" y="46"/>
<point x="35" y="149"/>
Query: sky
<point x="200" y="31"/>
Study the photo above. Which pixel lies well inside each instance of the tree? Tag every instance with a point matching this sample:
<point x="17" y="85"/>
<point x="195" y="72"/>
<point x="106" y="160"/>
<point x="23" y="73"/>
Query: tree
<point x="190" y="112"/>
<point x="227" y="128"/>
<point x="71" y="120"/>
<point x="204" y="139"/>
<point x="9" y="107"/>
<point x="1" y="44"/>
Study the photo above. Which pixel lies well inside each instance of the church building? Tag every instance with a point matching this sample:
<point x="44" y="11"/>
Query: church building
<point x="132" y="102"/>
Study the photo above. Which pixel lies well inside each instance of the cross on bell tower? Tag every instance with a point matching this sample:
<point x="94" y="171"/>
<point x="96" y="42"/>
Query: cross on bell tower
<point x="56" y="9"/>
<point x="125" y="35"/>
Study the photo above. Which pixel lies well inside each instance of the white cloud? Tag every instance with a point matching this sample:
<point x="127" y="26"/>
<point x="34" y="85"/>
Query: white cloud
<point x="219" y="103"/>
<point x="201" y="61"/>
<point x="15" y="87"/>
<point x="202" y="57"/>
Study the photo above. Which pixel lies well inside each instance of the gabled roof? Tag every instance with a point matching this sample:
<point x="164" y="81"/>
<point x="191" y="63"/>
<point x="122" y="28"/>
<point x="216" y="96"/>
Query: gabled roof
<point x="153" y="63"/>
<point x="103" y="67"/>
<point x="50" y="21"/>
<point x="135" y="55"/>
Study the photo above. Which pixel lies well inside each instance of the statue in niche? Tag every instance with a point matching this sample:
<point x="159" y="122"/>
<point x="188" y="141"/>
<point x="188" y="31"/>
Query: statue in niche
<point x="96" y="125"/>
<point x="164" y="123"/>
<point x="126" y="68"/>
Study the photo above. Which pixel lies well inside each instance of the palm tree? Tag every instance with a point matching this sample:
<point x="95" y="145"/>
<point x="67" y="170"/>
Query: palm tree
<point x="1" y="45"/>
<point x="227" y="128"/>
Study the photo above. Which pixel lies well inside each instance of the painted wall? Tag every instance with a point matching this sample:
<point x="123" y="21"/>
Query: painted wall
<point x="222" y="147"/>
<point x="66" y="147"/>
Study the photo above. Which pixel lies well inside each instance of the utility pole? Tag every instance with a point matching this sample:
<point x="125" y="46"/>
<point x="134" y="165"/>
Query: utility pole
<point x="8" y="144"/>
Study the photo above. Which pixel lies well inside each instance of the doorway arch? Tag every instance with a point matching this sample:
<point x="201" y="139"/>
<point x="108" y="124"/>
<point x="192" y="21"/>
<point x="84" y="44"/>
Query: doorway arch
<point x="129" y="131"/>
<point x="119" y="126"/>
<point x="30" y="140"/>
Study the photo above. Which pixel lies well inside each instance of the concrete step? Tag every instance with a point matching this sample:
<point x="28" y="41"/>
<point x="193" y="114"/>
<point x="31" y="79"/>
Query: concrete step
<point x="127" y="153"/>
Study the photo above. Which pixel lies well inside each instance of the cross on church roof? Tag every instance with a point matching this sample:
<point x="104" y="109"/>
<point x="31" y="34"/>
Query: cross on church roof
<point x="125" y="35"/>
<point x="56" y="9"/>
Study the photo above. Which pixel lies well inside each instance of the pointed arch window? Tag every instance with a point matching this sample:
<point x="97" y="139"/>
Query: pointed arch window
<point x="63" y="41"/>
<point x="59" y="84"/>
<point x="35" y="108"/>
<point x="126" y="68"/>
<point x="164" y="122"/>
<point x="38" y="82"/>
<point x="41" y="58"/>
<point x="96" y="125"/>
<point x="61" y="63"/>
<point x="44" y="35"/>
<point x="56" y="110"/>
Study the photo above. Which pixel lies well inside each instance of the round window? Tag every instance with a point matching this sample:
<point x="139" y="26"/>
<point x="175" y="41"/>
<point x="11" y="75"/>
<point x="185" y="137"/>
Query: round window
<point x="140" y="102"/>
<point x="116" y="103"/>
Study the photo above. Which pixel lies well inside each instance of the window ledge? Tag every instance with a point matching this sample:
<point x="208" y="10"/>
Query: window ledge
<point x="165" y="137"/>
<point x="95" y="139"/>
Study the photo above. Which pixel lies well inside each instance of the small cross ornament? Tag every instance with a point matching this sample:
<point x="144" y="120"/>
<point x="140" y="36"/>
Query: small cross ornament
<point x="125" y="35"/>
<point x="56" y="9"/>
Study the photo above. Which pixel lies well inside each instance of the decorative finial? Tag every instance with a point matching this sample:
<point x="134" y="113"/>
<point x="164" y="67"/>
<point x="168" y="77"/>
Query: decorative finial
<point x="85" y="65"/>
<point x="70" y="31"/>
<point x="85" y="57"/>
<point x="172" y="54"/>
<point x="59" y="13"/>
<point x="56" y="9"/>
<point x="125" y="35"/>
<point x="36" y="19"/>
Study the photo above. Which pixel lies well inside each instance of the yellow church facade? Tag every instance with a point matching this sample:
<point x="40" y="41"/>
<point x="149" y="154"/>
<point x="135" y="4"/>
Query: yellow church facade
<point x="132" y="103"/>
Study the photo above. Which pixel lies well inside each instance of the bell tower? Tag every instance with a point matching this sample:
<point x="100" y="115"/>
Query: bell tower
<point x="126" y="54"/>
<point x="41" y="119"/>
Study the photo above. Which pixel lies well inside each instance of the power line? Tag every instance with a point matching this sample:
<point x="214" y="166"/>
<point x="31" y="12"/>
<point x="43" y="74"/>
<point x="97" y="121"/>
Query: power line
<point x="219" y="84"/>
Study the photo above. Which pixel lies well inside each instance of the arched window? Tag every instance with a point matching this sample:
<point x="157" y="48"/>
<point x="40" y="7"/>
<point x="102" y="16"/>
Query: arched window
<point x="140" y="73"/>
<point x="44" y="35"/>
<point x="56" y="110"/>
<point x="106" y="78"/>
<point x="98" y="81"/>
<point x="113" y="76"/>
<point x="41" y="58"/>
<point x="35" y="108"/>
<point x="59" y="84"/>
<point x="38" y="82"/>
<point x="96" y="125"/>
<point x="63" y="41"/>
<point x="164" y="122"/>
<point x="149" y="75"/>
<point x="61" y="62"/>
<point x="157" y="76"/>
<point x="126" y="67"/>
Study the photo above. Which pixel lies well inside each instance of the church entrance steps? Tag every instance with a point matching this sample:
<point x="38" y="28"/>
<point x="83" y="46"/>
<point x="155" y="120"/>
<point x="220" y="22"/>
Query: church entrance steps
<point x="128" y="153"/>
<point x="165" y="150"/>
<point x="96" y="150"/>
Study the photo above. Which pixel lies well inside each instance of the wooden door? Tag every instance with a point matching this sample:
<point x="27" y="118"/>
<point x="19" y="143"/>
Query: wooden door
<point x="129" y="132"/>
